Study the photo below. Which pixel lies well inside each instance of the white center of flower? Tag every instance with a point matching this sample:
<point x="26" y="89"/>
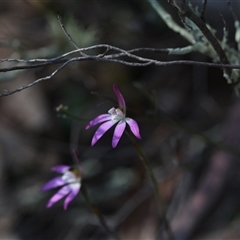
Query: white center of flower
<point x="69" y="177"/>
<point x="116" y="114"/>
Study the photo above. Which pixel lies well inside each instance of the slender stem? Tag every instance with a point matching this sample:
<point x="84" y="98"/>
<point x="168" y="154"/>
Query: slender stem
<point x="154" y="182"/>
<point x="88" y="200"/>
<point x="97" y="213"/>
<point x="63" y="111"/>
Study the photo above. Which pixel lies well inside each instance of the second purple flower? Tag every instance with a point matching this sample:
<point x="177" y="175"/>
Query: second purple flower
<point x="70" y="183"/>
<point x="114" y="116"/>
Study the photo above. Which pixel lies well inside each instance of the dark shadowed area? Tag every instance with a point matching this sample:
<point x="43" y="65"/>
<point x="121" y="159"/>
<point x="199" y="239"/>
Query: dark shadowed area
<point x="189" y="119"/>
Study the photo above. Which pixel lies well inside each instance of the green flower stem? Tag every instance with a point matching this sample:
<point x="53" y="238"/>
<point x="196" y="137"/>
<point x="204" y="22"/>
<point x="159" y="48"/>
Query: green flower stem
<point x="154" y="182"/>
<point x="97" y="213"/>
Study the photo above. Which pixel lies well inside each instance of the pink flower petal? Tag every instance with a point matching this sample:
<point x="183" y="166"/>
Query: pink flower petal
<point x="99" y="119"/>
<point x="75" y="189"/>
<point x="134" y="127"/>
<point x="59" y="195"/>
<point x="101" y="130"/>
<point x="118" y="132"/>
<point x="55" y="182"/>
<point x="60" y="168"/>
<point x="120" y="98"/>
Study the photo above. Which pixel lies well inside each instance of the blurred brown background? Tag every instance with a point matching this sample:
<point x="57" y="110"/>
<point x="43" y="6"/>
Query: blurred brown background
<point x="199" y="181"/>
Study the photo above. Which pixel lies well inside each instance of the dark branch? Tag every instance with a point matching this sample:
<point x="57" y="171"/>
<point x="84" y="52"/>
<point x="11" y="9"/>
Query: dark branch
<point x="204" y="6"/>
<point x="130" y="59"/>
<point x="186" y="12"/>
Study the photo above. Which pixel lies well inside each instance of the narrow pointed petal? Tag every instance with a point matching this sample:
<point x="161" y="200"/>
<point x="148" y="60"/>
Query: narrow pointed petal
<point x="75" y="189"/>
<point x="60" y="168"/>
<point x="134" y="127"/>
<point x="99" y="119"/>
<point x="118" y="132"/>
<point x="120" y="98"/>
<point x="55" y="182"/>
<point x="101" y="130"/>
<point x="59" y="195"/>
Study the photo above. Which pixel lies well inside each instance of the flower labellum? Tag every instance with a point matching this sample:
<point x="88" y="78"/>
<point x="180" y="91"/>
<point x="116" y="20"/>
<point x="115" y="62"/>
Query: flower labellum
<point x="114" y="116"/>
<point x="70" y="183"/>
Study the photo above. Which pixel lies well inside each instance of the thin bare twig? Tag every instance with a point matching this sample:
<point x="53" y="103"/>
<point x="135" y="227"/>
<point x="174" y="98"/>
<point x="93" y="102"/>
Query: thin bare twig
<point x="232" y="11"/>
<point x="121" y="53"/>
<point x="6" y="92"/>
<point x="68" y="35"/>
<point x="204" y="5"/>
<point x="134" y="61"/>
<point x="142" y="62"/>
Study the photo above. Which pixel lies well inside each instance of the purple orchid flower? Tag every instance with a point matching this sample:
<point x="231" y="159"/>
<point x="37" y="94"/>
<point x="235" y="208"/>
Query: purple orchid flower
<point x="70" y="183"/>
<point x="114" y="115"/>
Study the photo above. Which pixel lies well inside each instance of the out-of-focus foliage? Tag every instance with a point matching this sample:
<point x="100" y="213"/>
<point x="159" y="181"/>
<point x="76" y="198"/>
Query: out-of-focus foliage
<point x="34" y="137"/>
